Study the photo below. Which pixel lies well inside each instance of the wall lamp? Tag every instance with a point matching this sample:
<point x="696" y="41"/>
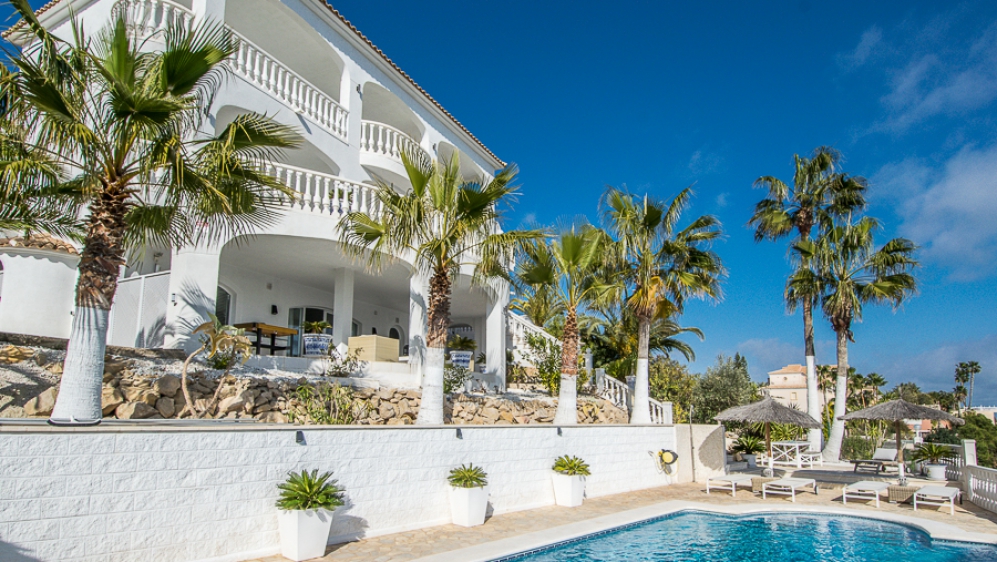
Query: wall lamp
<point x="459" y="435"/>
<point x="559" y="432"/>
<point x="173" y="299"/>
<point x="299" y="437"/>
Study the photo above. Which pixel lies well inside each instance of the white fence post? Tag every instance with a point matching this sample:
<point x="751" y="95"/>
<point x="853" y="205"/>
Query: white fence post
<point x="969" y="462"/>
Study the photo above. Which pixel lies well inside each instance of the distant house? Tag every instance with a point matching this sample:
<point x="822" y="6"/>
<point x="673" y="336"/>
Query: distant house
<point x="788" y="386"/>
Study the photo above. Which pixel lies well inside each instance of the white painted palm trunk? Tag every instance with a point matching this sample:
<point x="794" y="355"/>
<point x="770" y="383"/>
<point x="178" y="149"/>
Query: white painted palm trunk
<point x="832" y="451"/>
<point x="304" y="533"/>
<point x="83" y="372"/>
<point x="642" y="406"/>
<point x="567" y="401"/>
<point x="569" y="491"/>
<point x="431" y="405"/>
<point x="815" y="436"/>
<point x="468" y="506"/>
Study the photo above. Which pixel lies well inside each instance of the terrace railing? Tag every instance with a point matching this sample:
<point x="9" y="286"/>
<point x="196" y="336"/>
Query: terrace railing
<point x="379" y="138"/>
<point x="520" y="327"/>
<point x="981" y="487"/>
<point x="146" y="17"/>
<point x="326" y="194"/>
<point x="955" y="462"/>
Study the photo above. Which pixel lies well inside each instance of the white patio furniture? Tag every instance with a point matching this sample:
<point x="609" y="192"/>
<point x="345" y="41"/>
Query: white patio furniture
<point x="811" y="458"/>
<point x="882" y="458"/>
<point x="864" y="489"/>
<point x="937" y="495"/>
<point x="790" y="453"/>
<point x="732" y="480"/>
<point x="787" y="486"/>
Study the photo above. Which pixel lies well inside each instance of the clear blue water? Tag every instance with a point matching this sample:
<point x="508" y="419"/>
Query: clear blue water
<point x="707" y="537"/>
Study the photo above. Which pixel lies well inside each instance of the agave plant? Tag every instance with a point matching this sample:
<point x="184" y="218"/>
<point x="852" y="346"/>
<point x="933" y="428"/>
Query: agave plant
<point x="571" y="466"/>
<point x="306" y="490"/>
<point x="931" y="453"/>
<point x="468" y="476"/>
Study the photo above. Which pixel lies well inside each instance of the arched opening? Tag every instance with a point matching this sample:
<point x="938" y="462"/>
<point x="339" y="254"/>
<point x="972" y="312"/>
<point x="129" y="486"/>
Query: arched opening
<point x="468" y="168"/>
<point x="396" y="332"/>
<point x="381" y="106"/>
<point x="306" y="156"/>
<point x="223" y="306"/>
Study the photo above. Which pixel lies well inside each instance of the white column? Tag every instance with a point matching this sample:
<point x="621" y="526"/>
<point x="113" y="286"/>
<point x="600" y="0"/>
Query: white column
<point x="495" y="332"/>
<point x="342" y="311"/>
<point x="418" y="299"/>
<point x="193" y="288"/>
<point x="212" y="10"/>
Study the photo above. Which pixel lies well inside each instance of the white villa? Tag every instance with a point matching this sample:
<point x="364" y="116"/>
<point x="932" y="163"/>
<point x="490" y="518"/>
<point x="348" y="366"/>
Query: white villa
<point x="303" y="63"/>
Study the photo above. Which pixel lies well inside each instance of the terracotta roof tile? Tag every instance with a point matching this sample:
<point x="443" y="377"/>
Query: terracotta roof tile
<point x="41" y="242"/>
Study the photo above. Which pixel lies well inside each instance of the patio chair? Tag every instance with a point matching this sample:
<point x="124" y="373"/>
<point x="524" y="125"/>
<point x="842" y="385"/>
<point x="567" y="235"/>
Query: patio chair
<point x="811" y="458"/>
<point x="788" y="486"/>
<point x="881" y="459"/>
<point x="732" y="480"/>
<point x="937" y="495"/>
<point x="864" y="489"/>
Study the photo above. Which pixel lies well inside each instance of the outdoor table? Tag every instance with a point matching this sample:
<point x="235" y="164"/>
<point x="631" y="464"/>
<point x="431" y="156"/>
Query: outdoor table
<point x="261" y="330"/>
<point x="788" y="453"/>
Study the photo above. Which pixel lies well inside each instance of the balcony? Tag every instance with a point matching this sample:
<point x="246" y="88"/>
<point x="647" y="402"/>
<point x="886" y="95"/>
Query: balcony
<point x="384" y="140"/>
<point x="325" y="194"/>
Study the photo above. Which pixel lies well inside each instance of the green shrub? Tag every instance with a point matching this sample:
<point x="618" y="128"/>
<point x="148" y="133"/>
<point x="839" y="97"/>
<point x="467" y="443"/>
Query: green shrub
<point x="309" y="491"/>
<point x="326" y="405"/>
<point x="316" y="327"/>
<point x="931" y="453"/>
<point x="454" y="378"/>
<point x="748" y="445"/>
<point x="468" y="476"/>
<point x="571" y="466"/>
<point x="856" y="448"/>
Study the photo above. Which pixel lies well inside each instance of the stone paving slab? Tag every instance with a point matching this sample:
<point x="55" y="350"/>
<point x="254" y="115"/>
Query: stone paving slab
<point x="445" y="538"/>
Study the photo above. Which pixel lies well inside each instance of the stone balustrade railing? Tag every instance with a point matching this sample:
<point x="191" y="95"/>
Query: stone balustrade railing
<point x="378" y="138"/>
<point x="146" y="17"/>
<point x="326" y="194"/>
<point x="981" y="486"/>
<point x="661" y="412"/>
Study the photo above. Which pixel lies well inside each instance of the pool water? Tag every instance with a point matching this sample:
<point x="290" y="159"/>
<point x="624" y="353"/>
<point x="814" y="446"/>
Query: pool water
<point x="793" y="537"/>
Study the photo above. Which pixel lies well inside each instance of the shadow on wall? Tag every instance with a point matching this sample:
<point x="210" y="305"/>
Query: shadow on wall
<point x="706" y="449"/>
<point x="345" y="527"/>
<point x="13" y="553"/>
<point x="155" y="337"/>
<point x="202" y="306"/>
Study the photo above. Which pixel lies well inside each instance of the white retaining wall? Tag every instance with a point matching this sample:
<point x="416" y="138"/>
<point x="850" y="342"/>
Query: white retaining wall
<point x="178" y="494"/>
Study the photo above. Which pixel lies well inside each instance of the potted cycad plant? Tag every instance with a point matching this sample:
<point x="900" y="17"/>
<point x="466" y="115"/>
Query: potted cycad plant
<point x="931" y="455"/>
<point x="749" y="446"/>
<point x="569" y="480"/>
<point x="316" y="342"/>
<point x="468" y="495"/>
<point x="306" y="504"/>
<point x="461" y="351"/>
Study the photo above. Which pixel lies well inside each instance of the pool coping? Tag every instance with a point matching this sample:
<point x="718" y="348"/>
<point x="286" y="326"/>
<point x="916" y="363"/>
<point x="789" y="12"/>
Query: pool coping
<point x="540" y="539"/>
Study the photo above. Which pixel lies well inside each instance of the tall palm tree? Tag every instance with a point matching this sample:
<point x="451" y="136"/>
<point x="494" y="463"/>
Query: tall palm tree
<point x="661" y="267"/>
<point x="854" y="273"/>
<point x="444" y="223"/>
<point x="817" y="196"/>
<point x="111" y="130"/>
<point x="569" y="266"/>
<point x="965" y="372"/>
<point x="615" y="344"/>
<point x="539" y="304"/>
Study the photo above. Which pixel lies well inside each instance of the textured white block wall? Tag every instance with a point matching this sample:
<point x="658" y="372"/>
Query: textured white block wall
<point x="177" y="495"/>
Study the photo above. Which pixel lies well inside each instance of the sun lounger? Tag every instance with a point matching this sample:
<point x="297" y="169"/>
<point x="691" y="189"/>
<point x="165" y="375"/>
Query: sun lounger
<point x="732" y="480"/>
<point x="936" y="495"/>
<point x="879" y="461"/>
<point x="787" y="486"/>
<point x="865" y="489"/>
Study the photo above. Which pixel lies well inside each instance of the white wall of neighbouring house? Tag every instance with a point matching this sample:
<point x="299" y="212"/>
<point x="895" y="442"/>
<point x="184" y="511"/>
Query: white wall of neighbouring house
<point x="183" y="494"/>
<point x="38" y="290"/>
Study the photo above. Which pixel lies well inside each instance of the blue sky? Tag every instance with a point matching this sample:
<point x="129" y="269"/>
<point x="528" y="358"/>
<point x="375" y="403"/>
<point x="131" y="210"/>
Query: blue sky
<point x="658" y="96"/>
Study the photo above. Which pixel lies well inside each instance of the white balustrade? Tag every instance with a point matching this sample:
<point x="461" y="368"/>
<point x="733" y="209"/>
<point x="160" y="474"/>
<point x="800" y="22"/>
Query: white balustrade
<point x="954" y="463"/>
<point x="257" y="66"/>
<point x="378" y="138"/>
<point x="616" y="392"/>
<point x="146" y="17"/>
<point x="981" y="486"/>
<point x="326" y="194"/>
<point x="661" y="412"/>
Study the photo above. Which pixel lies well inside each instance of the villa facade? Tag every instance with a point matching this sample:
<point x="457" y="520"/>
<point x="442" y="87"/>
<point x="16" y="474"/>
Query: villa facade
<point x="788" y="386"/>
<point x="304" y="64"/>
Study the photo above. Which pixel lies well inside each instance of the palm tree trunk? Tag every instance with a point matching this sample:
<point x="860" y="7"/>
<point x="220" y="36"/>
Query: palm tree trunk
<point x="103" y="255"/>
<point x="832" y="451"/>
<point x="567" y="396"/>
<point x="642" y="407"/>
<point x="813" y="396"/>
<point x="969" y="397"/>
<point x="431" y="404"/>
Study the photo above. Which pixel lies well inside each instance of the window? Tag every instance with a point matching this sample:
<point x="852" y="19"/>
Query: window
<point x="792" y="396"/>
<point x="223" y="305"/>
<point x="296" y="317"/>
<point x="355" y="329"/>
<point x="393" y="334"/>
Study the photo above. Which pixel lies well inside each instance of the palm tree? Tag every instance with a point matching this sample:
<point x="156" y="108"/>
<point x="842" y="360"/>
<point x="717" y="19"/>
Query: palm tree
<point x="569" y="266"/>
<point x="818" y="196"/>
<point x="444" y="223"/>
<point x="114" y="131"/>
<point x="661" y="267"/>
<point x="539" y="304"/>
<point x="615" y="344"/>
<point x="853" y="273"/>
<point x="965" y="372"/>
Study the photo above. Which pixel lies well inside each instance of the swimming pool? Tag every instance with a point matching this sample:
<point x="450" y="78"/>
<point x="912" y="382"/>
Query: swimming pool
<point x="692" y="536"/>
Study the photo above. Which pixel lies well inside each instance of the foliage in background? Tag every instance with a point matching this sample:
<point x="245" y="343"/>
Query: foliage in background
<point x="725" y="385"/>
<point x="748" y="445"/>
<point x="454" y="377"/>
<point x="545" y="355"/>
<point x="571" y="466"/>
<point x="672" y="382"/>
<point x="327" y="405"/>
<point x="468" y="476"/>
<point x="344" y="365"/>
<point x="306" y="490"/>
<point x="856" y="447"/>
<point x="458" y="342"/>
<point x="983" y="430"/>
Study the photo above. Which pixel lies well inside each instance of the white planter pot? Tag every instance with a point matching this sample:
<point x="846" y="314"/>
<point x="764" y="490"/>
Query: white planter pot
<point x="304" y="533"/>
<point x="461" y="358"/>
<point x="316" y="345"/>
<point x="569" y="491"/>
<point x="752" y="460"/>
<point x="935" y="471"/>
<point x="468" y="506"/>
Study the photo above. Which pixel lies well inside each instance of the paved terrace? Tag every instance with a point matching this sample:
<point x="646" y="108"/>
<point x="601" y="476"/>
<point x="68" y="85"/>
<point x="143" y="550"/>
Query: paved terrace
<point x="413" y="545"/>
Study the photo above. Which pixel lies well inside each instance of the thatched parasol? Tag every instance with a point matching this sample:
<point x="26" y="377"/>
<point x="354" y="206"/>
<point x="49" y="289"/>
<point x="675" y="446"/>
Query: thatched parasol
<point x="897" y="411"/>
<point x="768" y="411"/>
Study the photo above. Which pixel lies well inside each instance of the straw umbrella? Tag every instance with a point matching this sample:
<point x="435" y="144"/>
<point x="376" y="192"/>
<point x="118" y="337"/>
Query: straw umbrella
<point x="768" y="411"/>
<point x="897" y="411"/>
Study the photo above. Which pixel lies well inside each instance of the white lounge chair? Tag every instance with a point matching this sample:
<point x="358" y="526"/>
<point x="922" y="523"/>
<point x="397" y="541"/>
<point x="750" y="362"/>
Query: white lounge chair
<point x="937" y="495"/>
<point x="864" y="489"/>
<point x="787" y="486"/>
<point x="732" y="480"/>
<point x="882" y="458"/>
